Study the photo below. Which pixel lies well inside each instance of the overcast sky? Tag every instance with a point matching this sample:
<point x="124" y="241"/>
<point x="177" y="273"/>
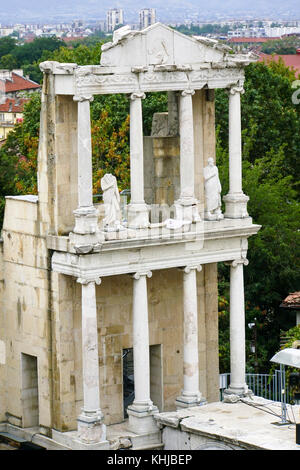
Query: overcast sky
<point x="18" y="10"/>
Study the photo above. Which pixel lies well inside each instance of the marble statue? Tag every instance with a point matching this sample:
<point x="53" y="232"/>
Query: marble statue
<point x="212" y="188"/>
<point x="111" y="199"/>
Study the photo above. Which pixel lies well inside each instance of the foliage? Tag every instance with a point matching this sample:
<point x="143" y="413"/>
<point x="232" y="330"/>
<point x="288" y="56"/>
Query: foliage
<point x="7" y="45"/>
<point x="18" y="156"/>
<point x="269" y="117"/>
<point x="292" y="335"/>
<point x="270" y="179"/>
<point x="202" y="30"/>
<point x="286" y="45"/>
<point x="110" y="151"/>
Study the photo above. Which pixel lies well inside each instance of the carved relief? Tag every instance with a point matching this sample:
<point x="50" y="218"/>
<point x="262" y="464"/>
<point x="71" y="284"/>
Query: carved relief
<point x="158" y="54"/>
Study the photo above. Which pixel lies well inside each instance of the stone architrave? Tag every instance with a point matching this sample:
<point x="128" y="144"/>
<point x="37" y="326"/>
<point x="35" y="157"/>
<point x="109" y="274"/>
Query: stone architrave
<point x="212" y="189"/>
<point x="111" y="200"/>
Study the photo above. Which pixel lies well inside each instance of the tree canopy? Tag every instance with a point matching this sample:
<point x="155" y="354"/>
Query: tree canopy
<point x="288" y="45"/>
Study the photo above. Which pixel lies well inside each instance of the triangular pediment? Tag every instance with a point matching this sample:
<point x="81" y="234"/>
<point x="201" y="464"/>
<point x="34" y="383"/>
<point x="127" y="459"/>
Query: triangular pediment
<point x="159" y="45"/>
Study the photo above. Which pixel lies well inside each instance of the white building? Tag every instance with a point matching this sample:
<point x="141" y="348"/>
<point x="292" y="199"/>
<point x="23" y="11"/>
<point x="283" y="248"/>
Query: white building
<point x="147" y="17"/>
<point x="114" y="17"/>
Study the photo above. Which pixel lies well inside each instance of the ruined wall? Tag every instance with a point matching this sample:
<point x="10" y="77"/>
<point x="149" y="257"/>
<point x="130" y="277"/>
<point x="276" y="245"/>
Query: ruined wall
<point x="2" y="342"/>
<point x="57" y="161"/>
<point x="25" y="322"/>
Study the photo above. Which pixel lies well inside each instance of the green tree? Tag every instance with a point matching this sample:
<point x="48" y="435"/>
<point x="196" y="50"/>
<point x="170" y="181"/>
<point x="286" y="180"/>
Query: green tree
<point x="8" y="61"/>
<point x="287" y="45"/>
<point x="7" y="45"/>
<point x="270" y="178"/>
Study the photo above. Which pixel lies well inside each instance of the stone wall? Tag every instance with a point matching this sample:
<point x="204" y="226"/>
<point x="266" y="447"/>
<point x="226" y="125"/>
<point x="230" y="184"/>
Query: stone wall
<point x="2" y="342"/>
<point x="24" y="312"/>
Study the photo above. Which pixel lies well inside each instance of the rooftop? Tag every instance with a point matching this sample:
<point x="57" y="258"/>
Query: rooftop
<point x="252" y="40"/>
<point x="291" y="301"/>
<point x="12" y="81"/>
<point x="290" y="60"/>
<point x="12" y="105"/>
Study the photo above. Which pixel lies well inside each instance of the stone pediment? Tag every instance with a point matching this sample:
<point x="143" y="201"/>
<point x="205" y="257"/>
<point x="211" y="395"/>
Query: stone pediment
<point x="161" y="46"/>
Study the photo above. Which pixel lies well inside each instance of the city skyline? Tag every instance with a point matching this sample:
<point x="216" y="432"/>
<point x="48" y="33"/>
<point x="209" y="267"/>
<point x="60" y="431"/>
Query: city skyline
<point x="191" y="10"/>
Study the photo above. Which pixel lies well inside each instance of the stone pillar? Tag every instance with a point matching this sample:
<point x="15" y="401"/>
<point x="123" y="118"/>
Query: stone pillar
<point x="86" y="215"/>
<point x="186" y="205"/>
<point x="237" y="385"/>
<point x="190" y="395"/>
<point x="235" y="200"/>
<point x="173" y="127"/>
<point x="142" y="409"/>
<point x="137" y="210"/>
<point x="91" y="429"/>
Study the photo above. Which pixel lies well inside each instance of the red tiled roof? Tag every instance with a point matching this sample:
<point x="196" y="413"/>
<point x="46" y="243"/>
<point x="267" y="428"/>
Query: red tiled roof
<point x="292" y="300"/>
<point x="18" y="83"/>
<point x="290" y="60"/>
<point x="13" y="106"/>
<point x="73" y="38"/>
<point x="259" y="40"/>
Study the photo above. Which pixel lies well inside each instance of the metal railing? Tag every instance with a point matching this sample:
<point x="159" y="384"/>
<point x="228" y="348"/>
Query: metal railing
<point x="267" y="386"/>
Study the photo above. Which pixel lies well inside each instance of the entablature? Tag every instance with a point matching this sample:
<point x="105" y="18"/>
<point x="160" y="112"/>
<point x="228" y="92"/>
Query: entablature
<point x="220" y="241"/>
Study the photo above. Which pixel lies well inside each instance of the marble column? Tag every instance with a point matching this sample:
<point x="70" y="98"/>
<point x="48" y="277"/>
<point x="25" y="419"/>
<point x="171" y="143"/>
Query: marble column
<point x="186" y="205"/>
<point x="237" y="385"/>
<point x="91" y="429"/>
<point x="137" y="210"/>
<point x="142" y="409"/>
<point x="235" y="200"/>
<point x="86" y="215"/>
<point x="190" y="395"/>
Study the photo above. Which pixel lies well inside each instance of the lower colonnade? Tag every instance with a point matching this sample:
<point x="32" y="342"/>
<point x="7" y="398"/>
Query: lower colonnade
<point x="91" y="427"/>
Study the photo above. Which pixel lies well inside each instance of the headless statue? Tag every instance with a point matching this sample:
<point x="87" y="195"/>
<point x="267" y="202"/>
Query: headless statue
<point x="212" y="188"/>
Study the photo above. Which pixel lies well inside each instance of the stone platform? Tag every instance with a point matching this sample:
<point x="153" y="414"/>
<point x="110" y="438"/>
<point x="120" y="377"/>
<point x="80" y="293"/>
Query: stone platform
<point x="246" y="425"/>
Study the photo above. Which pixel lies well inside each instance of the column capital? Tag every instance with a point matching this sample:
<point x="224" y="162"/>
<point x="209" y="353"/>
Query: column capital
<point x="137" y="95"/>
<point x="84" y="281"/>
<point x="139" y="274"/>
<point x="238" y="261"/>
<point x="188" y="269"/>
<point x="187" y="92"/>
<point x="80" y="98"/>
<point x="233" y="90"/>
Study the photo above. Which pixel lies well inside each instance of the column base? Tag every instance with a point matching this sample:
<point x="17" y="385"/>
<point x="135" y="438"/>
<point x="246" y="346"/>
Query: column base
<point x="86" y="235"/>
<point x="233" y="394"/>
<point x="137" y="216"/>
<point x="236" y="205"/>
<point x="141" y="421"/>
<point x="91" y="430"/>
<point x="190" y="401"/>
<point x="187" y="209"/>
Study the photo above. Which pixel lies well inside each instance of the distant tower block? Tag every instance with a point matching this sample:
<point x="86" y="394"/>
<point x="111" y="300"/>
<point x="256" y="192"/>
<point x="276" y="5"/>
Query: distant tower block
<point x="114" y="18"/>
<point x="147" y="17"/>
